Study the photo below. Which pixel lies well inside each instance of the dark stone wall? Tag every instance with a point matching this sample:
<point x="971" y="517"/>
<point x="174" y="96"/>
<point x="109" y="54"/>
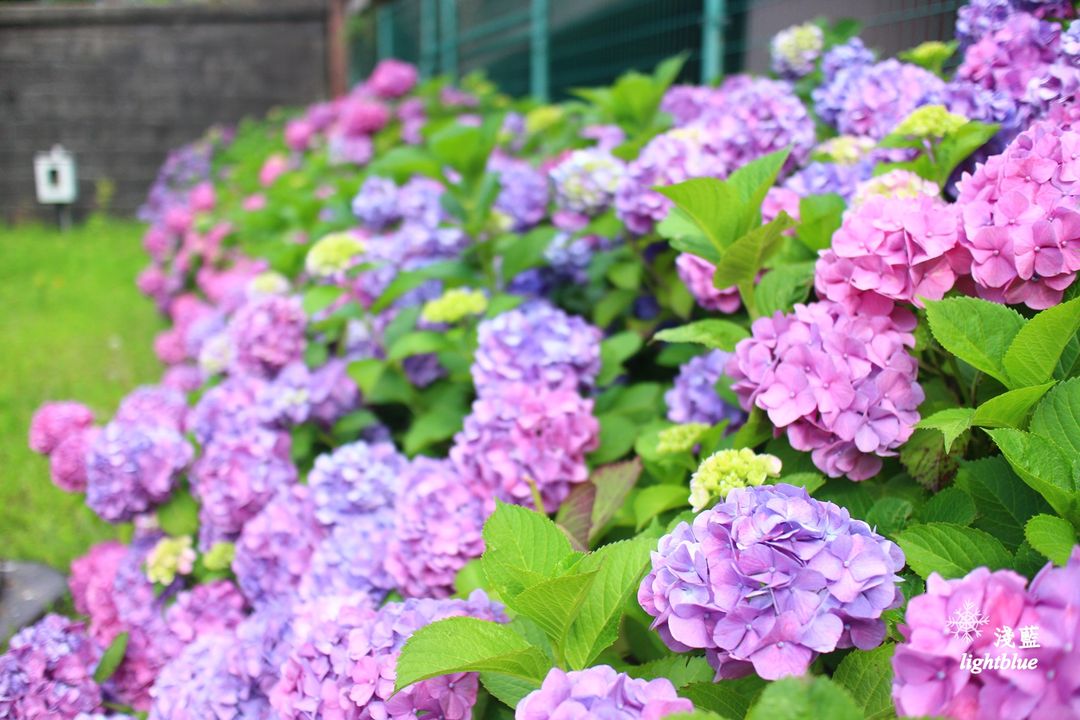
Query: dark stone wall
<point x="121" y="86"/>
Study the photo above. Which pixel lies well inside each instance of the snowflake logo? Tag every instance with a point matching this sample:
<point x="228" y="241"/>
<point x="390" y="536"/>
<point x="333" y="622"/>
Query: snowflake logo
<point x="966" y="622"/>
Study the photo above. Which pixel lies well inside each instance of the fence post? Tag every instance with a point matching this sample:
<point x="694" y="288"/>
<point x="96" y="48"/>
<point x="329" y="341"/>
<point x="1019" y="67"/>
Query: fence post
<point x="538" y="50"/>
<point x="429" y="37"/>
<point x="448" y="42"/>
<point x="384" y="31"/>
<point x="712" y="40"/>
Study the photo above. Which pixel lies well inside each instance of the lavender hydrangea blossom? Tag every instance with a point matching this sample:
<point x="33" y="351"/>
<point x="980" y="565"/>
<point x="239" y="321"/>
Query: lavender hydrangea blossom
<point x="354" y="480"/>
<point x="601" y="692"/>
<point x="524" y="194"/>
<point x="536" y="344"/>
<point x="268" y="334"/>
<point x="47" y="672"/>
<point x="770" y="578"/>
<point x="153" y="405"/>
<point x="376" y="205"/>
<point x="132" y="468"/>
<point x="694" y="399"/>
<point x="872" y="100"/>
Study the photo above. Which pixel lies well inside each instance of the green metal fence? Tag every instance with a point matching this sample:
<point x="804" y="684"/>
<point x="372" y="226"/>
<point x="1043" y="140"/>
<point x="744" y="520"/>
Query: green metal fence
<point x="546" y="47"/>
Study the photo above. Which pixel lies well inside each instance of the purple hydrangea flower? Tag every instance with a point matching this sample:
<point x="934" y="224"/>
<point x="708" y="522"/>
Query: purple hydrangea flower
<point x="153" y="405"/>
<point x="818" y="178"/>
<point x="199" y="683"/>
<point x="439" y="516"/>
<point x="850" y="54"/>
<point x="351" y="558"/>
<point x="263" y="641"/>
<point x="842" y="385"/>
<point x="770" y="578"/>
<point x="228" y="409"/>
<point x="236" y="477"/>
<point x="333" y="393"/>
<point x="979" y="18"/>
<point x="524" y="435"/>
<point x="274" y="549"/>
<point x="354" y="480"/>
<point x="537" y="344"/>
<point x="585" y="181"/>
<point x="286" y="400"/>
<point x="1011" y="57"/>
<point x="694" y="399"/>
<point x="267" y="334"/>
<point x="524" y="194"/>
<point x="216" y="606"/>
<point x="47" y="672"/>
<point x="376" y="205"/>
<point x="132" y="468"/>
<point x="872" y="100"/>
<point x="601" y="692"/>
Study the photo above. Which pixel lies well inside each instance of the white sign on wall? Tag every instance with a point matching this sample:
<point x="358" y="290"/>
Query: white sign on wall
<point x="54" y="177"/>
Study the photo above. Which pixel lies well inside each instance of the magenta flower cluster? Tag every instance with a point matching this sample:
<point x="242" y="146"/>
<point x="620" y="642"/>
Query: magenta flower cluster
<point x="63" y="431"/>
<point x="892" y="250"/>
<point x="841" y="384"/>
<point x="930" y="677"/>
<point x="48" y="672"/>
<point x="600" y="692"/>
<point x="769" y="579"/>
<point x="1020" y="221"/>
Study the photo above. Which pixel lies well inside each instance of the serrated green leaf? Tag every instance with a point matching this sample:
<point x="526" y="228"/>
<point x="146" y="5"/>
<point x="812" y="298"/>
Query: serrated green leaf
<point x="465" y="644"/>
<point x="951" y="505"/>
<point x="111" y="658"/>
<point x="1034" y="352"/>
<point x="867" y="676"/>
<point x="656" y="499"/>
<point x="805" y="698"/>
<point x="1057" y="417"/>
<point x="925" y="459"/>
<point x="614" y="351"/>
<point x="617" y="436"/>
<point x="620" y="567"/>
<point x="743" y="259"/>
<point x="977" y="331"/>
<point x="553" y="604"/>
<point x="715" y="334"/>
<point x="685" y="235"/>
<point x="709" y="204"/>
<point x="952" y="423"/>
<point x="575" y="515"/>
<point x="1003" y="500"/>
<point x="1041" y="465"/>
<point x="730" y="698"/>
<point x="819" y="217"/>
<point x="889" y="514"/>
<point x="1052" y="536"/>
<point x="950" y="550"/>
<point x="419" y="342"/>
<point x="1009" y="409"/>
<point x="507" y="689"/>
<point x="522" y="548"/>
<point x="681" y="670"/>
<point x="782" y="287"/>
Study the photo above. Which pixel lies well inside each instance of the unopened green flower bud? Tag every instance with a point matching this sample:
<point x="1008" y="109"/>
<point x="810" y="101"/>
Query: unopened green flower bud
<point x="680" y="438"/>
<point x="333" y="254"/>
<point x="725" y="470"/>
<point x="169" y="558"/>
<point x="454" y="305"/>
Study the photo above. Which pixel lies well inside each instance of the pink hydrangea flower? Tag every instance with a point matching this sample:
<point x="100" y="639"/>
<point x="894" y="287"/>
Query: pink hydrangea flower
<point x="54" y="421"/>
<point x="274" y="167"/>
<point x="890" y="250"/>
<point x="697" y="274"/>
<point x="268" y="334"/>
<point x="67" y="463"/>
<point x="392" y="78"/>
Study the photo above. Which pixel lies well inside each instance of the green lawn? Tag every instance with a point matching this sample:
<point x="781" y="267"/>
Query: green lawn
<point x="72" y="326"/>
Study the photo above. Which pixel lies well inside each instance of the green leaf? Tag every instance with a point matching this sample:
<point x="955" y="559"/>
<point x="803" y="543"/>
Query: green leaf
<point x="819" y="217"/>
<point x="419" y="342"/>
<point x="1009" y="409"/>
<point x="1052" y="536"/>
<point x="403" y="162"/>
<point x="950" y="550"/>
<point x="613" y="483"/>
<point x="742" y="261"/>
<point x="440" y="422"/>
<point x="380" y="383"/>
<point x="806" y="698"/>
<point x="977" y="331"/>
<point x="466" y="147"/>
<point x="1034" y="352"/>
<point x="614" y="351"/>
<point x="656" y="499"/>
<point x="617" y="436"/>
<point x="685" y="235"/>
<point x="782" y="287"/>
<point x="958" y="145"/>
<point x="889" y="514"/>
<point x="1003" y="500"/>
<point x="403" y="282"/>
<point x="320" y="297"/>
<point x="575" y="515"/>
<point x="1042" y="466"/>
<point x="951" y="505"/>
<point x="553" y="604"/>
<point x="925" y="459"/>
<point x="681" y="670"/>
<point x="1057" y="417"/>
<point x="752" y="182"/>
<point x="465" y="644"/>
<point x="952" y="423"/>
<point x="619" y="567"/>
<point x="180" y="515"/>
<point x="111" y="658"/>
<point x="709" y="204"/>
<point x="811" y="481"/>
<point x="712" y="333"/>
<point x="522" y="548"/>
<point x="506" y="689"/>
<point x="730" y="698"/>
<point x="523" y="252"/>
<point x="867" y="676"/>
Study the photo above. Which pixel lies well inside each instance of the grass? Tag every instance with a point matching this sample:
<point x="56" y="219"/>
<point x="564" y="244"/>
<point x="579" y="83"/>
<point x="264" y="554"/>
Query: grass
<point x="72" y="326"/>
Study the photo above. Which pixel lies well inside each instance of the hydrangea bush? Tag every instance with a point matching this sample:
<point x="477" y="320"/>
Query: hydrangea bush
<point x="755" y="400"/>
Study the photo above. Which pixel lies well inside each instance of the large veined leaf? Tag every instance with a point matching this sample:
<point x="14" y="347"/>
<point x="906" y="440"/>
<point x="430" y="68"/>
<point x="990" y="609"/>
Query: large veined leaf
<point x="1034" y="352"/>
<point x="521" y="548"/>
<point x="811" y="697"/>
<point x="978" y="332"/>
<point x="1052" y="536"/>
<point x="1010" y="409"/>
<point x="712" y="333"/>
<point x="950" y="550"/>
<point x="1004" y="501"/>
<point x="1057" y="417"/>
<point x="867" y="676"/>
<point x="1042" y="465"/>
